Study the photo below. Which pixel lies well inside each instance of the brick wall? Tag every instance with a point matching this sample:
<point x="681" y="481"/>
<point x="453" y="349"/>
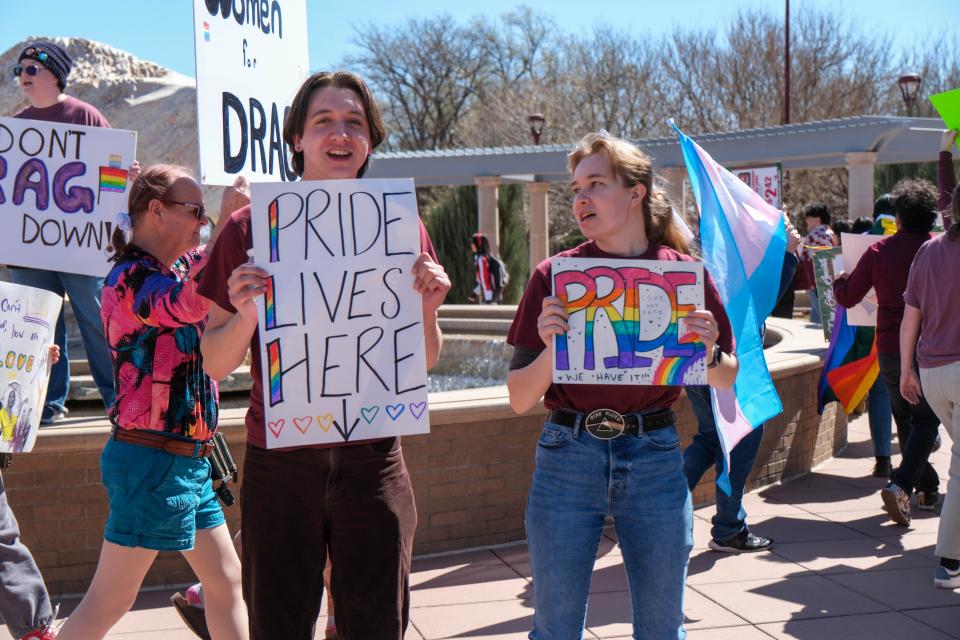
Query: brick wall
<point x="471" y="476"/>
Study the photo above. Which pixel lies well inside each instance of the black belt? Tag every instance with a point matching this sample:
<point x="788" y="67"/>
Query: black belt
<point x="607" y="424"/>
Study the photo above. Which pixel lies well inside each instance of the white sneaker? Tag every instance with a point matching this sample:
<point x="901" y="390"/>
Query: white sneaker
<point x="945" y="578"/>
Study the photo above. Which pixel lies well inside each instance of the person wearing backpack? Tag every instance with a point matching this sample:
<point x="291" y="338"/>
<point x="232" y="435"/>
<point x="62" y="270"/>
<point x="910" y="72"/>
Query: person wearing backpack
<point x="492" y="276"/>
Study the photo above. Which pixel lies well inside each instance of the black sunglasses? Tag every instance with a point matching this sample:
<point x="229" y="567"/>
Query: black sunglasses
<point x="30" y="70"/>
<point x="198" y="209"/>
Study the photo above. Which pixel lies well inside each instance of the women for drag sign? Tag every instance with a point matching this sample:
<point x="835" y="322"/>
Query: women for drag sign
<point x="341" y="327"/>
<point x="627" y="322"/>
<point x="62" y="187"/>
<point x="27" y="319"/>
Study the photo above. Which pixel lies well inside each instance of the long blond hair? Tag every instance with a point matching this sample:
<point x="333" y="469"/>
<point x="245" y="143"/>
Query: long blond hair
<point x="632" y="167"/>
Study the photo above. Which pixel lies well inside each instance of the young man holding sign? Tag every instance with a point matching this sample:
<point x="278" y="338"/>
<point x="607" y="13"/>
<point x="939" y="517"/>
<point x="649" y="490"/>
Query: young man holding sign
<point x="42" y="71"/>
<point x="355" y="499"/>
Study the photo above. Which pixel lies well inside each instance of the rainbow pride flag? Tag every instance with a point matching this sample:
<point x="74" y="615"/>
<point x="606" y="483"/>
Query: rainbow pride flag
<point x="850" y="365"/>
<point x="743" y="239"/>
<point x="113" y="179"/>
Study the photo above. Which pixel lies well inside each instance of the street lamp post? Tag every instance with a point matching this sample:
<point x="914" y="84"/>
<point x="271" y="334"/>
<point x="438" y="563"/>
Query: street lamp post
<point x="786" y="66"/>
<point x="536" y="122"/>
<point x="910" y="89"/>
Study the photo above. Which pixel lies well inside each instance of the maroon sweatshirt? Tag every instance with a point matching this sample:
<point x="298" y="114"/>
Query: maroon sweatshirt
<point x="885" y="267"/>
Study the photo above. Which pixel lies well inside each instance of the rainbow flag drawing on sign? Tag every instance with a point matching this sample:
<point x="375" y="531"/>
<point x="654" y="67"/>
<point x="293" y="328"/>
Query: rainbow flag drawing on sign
<point x="743" y="240"/>
<point x="112" y="177"/>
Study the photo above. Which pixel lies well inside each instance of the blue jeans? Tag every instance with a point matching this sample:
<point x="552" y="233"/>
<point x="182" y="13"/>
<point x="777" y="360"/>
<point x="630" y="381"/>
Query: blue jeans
<point x="880" y="415"/>
<point x="84" y="292"/>
<point x="705" y="452"/>
<point x="577" y="482"/>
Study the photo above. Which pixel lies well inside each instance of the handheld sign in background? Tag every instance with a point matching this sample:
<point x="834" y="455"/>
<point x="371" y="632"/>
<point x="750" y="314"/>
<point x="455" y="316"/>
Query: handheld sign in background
<point x="341" y="327"/>
<point x="251" y="58"/>
<point x="827" y="263"/>
<point x="854" y="246"/>
<point x="627" y="322"/>
<point x="27" y="319"/>
<point x="61" y="189"/>
<point x="947" y="105"/>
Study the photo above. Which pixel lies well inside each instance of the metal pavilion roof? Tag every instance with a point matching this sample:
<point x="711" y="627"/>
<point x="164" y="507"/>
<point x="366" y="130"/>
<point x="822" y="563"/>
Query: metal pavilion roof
<point x="809" y="145"/>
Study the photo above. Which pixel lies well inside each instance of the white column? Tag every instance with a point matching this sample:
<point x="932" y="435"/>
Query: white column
<point x="539" y="223"/>
<point x="860" y="183"/>
<point x="488" y="211"/>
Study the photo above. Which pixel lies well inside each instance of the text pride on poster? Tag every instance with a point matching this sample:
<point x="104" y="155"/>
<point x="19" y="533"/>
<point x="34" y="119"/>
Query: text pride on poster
<point x="27" y="319"/>
<point x="341" y="327"/>
<point x="61" y="188"/>
<point x="251" y="58"/>
<point x="627" y="322"/>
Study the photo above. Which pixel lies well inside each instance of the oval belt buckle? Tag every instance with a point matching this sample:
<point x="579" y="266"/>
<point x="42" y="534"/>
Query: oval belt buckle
<point x="605" y="424"/>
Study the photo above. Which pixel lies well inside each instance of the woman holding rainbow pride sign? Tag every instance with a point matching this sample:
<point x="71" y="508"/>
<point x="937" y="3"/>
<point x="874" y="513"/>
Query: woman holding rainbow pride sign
<point x="637" y="477"/>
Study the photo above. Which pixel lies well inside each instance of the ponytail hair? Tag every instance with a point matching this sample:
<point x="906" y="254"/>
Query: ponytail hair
<point x="632" y="167"/>
<point x="153" y="183"/>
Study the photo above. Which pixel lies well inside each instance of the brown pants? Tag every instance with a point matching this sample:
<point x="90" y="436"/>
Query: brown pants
<point x="355" y="500"/>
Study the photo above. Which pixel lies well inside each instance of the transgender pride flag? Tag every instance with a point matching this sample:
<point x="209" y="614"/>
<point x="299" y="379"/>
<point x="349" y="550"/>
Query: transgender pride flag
<point x="743" y="241"/>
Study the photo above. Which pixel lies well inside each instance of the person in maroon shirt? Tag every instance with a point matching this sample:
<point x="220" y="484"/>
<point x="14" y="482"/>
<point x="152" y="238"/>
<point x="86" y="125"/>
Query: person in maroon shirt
<point x="356" y="499"/>
<point x="931" y="317"/>
<point x="609" y="449"/>
<point x="885" y="267"/>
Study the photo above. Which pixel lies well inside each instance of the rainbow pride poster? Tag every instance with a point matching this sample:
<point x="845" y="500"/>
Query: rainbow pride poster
<point x="27" y="319"/>
<point x="62" y="187"/>
<point x="627" y="322"/>
<point x="341" y="327"/>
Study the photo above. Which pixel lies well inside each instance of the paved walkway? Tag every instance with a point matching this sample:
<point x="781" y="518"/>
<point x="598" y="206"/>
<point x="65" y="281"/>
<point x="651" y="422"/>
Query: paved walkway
<point x="840" y="569"/>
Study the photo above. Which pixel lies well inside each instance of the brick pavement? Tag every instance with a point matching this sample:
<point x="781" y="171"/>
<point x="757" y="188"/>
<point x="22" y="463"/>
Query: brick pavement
<point x="839" y="569"/>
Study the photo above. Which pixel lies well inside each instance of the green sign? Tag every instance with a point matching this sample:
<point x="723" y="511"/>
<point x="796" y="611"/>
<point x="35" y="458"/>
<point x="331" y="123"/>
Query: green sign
<point x="826" y="264"/>
<point x="947" y="105"/>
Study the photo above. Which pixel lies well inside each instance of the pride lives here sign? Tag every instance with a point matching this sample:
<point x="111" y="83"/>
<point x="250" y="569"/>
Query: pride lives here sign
<point x="341" y="327"/>
<point x="62" y="187"/>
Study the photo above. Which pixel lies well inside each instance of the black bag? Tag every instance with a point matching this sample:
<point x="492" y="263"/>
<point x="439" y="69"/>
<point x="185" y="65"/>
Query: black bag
<point x="224" y="469"/>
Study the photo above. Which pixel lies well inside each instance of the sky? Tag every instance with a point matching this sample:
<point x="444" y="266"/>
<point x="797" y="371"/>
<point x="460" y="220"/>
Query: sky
<point x="161" y="31"/>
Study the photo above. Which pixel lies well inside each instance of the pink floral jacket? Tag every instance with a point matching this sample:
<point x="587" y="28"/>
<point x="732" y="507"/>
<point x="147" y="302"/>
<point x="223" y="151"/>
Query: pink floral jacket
<point x="153" y="318"/>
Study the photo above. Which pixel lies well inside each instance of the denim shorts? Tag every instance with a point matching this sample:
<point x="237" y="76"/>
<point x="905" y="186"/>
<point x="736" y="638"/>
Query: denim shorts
<point x="157" y="500"/>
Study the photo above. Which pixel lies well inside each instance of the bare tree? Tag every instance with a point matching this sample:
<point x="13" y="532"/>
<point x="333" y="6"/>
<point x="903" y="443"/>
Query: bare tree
<point x="428" y="72"/>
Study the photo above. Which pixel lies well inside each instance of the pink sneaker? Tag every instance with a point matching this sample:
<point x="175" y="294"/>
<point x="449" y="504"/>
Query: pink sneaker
<point x="194" y="596"/>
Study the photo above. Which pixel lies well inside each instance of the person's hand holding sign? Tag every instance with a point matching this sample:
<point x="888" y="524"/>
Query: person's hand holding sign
<point x="553" y="320"/>
<point x="430" y="280"/>
<point x="246" y="283"/>
<point x="704" y="325"/>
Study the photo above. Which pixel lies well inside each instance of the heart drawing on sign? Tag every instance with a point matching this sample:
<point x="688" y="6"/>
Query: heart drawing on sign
<point x="302" y="424"/>
<point x="325" y="421"/>
<point x="369" y="413"/>
<point x="276" y="426"/>
<point x="394" y="410"/>
<point x="417" y="409"/>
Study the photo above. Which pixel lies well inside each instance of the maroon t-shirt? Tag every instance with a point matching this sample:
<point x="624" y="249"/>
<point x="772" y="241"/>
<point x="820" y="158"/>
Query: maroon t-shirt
<point x="885" y="267"/>
<point x="229" y="252"/>
<point x="933" y="288"/>
<point x="588" y="397"/>
<point x="69" y="111"/>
